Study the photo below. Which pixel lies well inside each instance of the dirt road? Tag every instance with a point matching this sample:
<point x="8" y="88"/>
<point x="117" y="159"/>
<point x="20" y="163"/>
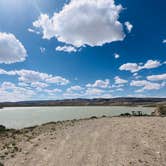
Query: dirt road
<point x="96" y="142"/>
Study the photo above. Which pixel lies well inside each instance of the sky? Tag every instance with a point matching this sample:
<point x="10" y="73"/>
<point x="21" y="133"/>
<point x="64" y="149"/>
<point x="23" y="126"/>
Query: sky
<point x="59" y="49"/>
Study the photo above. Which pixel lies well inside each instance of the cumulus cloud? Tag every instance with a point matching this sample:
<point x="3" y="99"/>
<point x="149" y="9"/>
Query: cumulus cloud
<point x="150" y="64"/>
<point x="57" y="80"/>
<point x="66" y="49"/>
<point x="134" y="67"/>
<point x="146" y="85"/>
<point x="11" y="92"/>
<point x="129" y="26"/>
<point x="74" y="88"/>
<point x="87" y="92"/>
<point x="72" y="95"/>
<point x="39" y="85"/>
<point x="97" y="93"/>
<point x="52" y="91"/>
<point x="30" y="76"/>
<point x="84" y="22"/>
<point x="11" y="49"/>
<point x="119" y="80"/>
<point x="99" y="84"/>
<point x="4" y="72"/>
<point x="74" y="92"/>
<point x="94" y="92"/>
<point x="160" y="77"/>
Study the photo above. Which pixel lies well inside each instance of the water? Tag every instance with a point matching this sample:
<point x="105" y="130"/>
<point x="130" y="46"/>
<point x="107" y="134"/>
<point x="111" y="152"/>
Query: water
<point x="19" y="117"/>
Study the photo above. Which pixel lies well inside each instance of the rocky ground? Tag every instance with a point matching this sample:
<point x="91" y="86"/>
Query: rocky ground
<point x="118" y="141"/>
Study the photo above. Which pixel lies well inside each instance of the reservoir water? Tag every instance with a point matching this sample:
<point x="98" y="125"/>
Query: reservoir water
<point x="20" y="117"/>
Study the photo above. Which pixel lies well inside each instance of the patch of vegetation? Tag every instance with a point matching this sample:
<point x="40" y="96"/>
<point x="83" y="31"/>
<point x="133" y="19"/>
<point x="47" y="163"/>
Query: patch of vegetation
<point x="125" y="114"/>
<point x="93" y="117"/>
<point x="1" y="164"/>
<point x="2" y="128"/>
<point x="134" y="113"/>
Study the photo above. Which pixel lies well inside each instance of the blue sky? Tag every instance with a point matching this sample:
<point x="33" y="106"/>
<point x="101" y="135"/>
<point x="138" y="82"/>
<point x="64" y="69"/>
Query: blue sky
<point x="59" y="49"/>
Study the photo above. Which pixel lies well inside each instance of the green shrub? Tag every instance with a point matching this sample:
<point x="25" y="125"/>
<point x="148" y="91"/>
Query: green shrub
<point x="2" y="128"/>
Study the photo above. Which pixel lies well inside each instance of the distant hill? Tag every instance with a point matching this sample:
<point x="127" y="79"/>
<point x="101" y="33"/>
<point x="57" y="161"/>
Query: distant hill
<point x="122" y="101"/>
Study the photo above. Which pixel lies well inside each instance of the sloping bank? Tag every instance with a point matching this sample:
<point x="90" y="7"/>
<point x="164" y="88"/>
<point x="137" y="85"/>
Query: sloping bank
<point x="105" y="141"/>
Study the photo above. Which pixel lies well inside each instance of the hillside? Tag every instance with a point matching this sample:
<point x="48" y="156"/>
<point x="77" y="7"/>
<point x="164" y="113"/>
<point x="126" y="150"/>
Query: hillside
<point x="89" y="102"/>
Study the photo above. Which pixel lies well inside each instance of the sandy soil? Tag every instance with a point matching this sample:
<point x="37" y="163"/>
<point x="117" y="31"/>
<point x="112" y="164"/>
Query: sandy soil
<point x="135" y="141"/>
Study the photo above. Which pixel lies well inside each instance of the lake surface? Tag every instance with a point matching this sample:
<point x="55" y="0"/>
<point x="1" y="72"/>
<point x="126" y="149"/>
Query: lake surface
<point x="19" y="117"/>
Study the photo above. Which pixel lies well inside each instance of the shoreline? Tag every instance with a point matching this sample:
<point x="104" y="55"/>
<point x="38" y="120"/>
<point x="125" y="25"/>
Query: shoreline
<point x="123" y="115"/>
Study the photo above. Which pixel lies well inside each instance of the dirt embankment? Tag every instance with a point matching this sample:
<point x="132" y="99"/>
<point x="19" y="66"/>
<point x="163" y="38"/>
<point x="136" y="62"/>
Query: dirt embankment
<point x="117" y="141"/>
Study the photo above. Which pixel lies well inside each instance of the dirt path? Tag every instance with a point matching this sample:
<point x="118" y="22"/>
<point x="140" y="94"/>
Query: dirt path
<point x="96" y="142"/>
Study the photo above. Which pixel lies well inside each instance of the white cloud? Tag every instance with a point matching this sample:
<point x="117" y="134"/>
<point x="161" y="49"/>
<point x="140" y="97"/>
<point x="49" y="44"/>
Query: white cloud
<point x="4" y="72"/>
<point x="66" y="49"/>
<point x="146" y="85"/>
<point x="39" y="85"/>
<point x="134" y="67"/>
<point x="30" y="76"/>
<point x="84" y="22"/>
<point x="136" y="76"/>
<point x="11" y="49"/>
<point x="163" y="84"/>
<point x="7" y="85"/>
<point x="116" y="56"/>
<point x="74" y="88"/>
<point x="52" y="91"/>
<point x="74" y="92"/>
<point x="150" y="64"/>
<point x="119" y="80"/>
<point x="97" y="93"/>
<point x="23" y="84"/>
<point x="117" y="85"/>
<point x="159" y="77"/>
<point x="89" y="92"/>
<point x="164" y="41"/>
<point x="11" y="92"/>
<point x="129" y="26"/>
<point x="94" y="92"/>
<point x="106" y="95"/>
<point x="99" y="84"/>
<point x="33" y="31"/>
<point x="120" y="89"/>
<point x="57" y="80"/>
<point x="42" y="49"/>
<point x="72" y="95"/>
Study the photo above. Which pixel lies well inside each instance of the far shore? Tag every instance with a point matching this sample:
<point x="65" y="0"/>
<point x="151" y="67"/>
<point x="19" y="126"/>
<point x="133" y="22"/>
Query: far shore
<point x="120" y="105"/>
